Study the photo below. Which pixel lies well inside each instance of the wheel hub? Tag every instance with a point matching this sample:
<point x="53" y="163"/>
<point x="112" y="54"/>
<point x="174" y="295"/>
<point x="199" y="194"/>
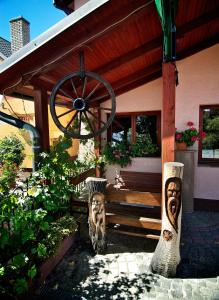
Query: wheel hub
<point x="79" y="104"/>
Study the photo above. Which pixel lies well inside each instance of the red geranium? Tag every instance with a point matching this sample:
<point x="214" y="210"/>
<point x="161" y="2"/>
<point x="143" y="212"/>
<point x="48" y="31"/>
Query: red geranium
<point x="190" y="123"/>
<point x="194" y="138"/>
<point x="178" y="136"/>
<point x="203" y="135"/>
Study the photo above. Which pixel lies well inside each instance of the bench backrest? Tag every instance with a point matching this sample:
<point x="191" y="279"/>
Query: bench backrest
<point x="142" y="181"/>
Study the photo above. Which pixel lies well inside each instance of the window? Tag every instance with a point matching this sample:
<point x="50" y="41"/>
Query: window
<point x="209" y="126"/>
<point x="142" y="130"/>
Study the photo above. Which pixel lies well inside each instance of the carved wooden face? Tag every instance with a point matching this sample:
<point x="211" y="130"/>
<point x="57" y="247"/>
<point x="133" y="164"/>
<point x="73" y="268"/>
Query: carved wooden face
<point x="173" y="200"/>
<point x="97" y="202"/>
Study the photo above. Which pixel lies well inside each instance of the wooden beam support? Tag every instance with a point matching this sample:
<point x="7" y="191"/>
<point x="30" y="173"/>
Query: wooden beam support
<point x="41" y="116"/>
<point x="168" y="112"/>
<point x="97" y="142"/>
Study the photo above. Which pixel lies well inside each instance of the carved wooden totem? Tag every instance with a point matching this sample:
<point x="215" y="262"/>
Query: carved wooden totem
<point x="97" y="214"/>
<point x="167" y="256"/>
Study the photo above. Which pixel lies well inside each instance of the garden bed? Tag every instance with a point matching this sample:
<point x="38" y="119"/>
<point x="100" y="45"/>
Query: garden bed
<point x="47" y="267"/>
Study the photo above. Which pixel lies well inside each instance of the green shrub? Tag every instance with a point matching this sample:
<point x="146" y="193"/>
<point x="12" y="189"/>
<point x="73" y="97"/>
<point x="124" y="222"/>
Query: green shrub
<point x="34" y="222"/>
<point x="11" y="150"/>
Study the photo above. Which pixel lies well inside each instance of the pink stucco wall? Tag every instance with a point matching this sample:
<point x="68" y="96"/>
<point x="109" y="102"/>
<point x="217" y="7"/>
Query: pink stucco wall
<point x="198" y="85"/>
<point x="145" y="98"/>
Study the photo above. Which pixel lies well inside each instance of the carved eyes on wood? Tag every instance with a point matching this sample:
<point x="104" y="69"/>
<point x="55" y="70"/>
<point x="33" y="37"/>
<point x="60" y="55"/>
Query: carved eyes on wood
<point x="173" y="189"/>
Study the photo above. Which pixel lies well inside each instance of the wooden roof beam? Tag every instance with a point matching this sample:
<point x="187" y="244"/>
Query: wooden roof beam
<point x="150" y="46"/>
<point x="198" y="22"/>
<point x="198" y="47"/>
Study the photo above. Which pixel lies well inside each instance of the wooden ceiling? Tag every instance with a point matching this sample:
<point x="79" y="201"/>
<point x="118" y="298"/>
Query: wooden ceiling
<point x="122" y="42"/>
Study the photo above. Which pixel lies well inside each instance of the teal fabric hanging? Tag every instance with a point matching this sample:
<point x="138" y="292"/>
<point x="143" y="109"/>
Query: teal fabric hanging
<point x="167" y="12"/>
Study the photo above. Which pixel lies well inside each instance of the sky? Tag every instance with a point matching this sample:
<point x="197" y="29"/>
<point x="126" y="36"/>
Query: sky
<point x="41" y="14"/>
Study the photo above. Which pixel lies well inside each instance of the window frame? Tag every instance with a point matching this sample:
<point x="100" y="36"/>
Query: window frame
<point x="133" y="116"/>
<point x="201" y="160"/>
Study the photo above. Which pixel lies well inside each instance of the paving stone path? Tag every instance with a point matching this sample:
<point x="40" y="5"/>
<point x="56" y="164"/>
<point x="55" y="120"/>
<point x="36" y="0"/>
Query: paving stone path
<point x="123" y="272"/>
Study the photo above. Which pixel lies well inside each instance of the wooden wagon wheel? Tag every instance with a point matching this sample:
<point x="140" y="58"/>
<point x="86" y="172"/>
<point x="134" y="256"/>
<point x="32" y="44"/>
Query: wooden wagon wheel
<point x="82" y="92"/>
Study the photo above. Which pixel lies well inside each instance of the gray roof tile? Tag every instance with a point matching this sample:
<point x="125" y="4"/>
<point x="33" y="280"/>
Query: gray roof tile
<point x="5" y="47"/>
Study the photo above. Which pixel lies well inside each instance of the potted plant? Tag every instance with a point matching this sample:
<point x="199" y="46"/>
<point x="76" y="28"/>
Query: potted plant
<point x="187" y="137"/>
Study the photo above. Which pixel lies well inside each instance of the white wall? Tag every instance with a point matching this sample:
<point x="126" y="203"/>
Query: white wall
<point x="198" y="85"/>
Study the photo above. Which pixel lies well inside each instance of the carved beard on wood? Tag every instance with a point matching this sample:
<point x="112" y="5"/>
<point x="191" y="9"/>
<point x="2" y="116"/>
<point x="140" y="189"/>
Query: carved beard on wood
<point x="173" y="188"/>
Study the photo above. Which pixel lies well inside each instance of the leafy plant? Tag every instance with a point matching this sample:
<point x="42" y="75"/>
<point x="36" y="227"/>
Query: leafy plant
<point x="143" y="146"/>
<point x="122" y="152"/>
<point x="211" y="141"/>
<point x="31" y="228"/>
<point x="11" y="150"/>
<point x="50" y="186"/>
<point x="117" y="153"/>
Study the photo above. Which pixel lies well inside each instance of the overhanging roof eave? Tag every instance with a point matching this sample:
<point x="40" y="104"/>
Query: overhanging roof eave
<point x="55" y="30"/>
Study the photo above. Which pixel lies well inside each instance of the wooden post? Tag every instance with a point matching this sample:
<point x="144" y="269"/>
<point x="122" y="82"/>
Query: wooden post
<point x="41" y="117"/>
<point x="167" y="255"/>
<point x="168" y="112"/>
<point x="97" y="142"/>
<point x="97" y="215"/>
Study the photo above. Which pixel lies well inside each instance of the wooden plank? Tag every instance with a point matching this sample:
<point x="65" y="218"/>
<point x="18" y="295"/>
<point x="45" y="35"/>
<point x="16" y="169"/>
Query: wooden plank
<point x="41" y="117"/>
<point x="142" y="181"/>
<point x="134" y="210"/>
<point x="144" y="235"/>
<point x="168" y="112"/>
<point x="134" y="222"/>
<point x="146" y="198"/>
<point x="82" y="176"/>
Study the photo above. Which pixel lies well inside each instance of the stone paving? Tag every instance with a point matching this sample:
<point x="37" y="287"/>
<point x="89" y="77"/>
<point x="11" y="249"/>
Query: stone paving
<point x="123" y="272"/>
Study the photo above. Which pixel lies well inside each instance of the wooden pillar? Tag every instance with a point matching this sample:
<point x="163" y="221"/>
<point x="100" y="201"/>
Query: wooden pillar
<point x="41" y="117"/>
<point x="167" y="253"/>
<point x="97" y="142"/>
<point x="168" y="113"/>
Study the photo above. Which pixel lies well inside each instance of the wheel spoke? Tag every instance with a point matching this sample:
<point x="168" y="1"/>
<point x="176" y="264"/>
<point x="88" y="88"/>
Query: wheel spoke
<point x="98" y="98"/>
<point x="74" y="88"/>
<point x="88" y="121"/>
<point x="65" y="113"/>
<point x="66" y="94"/>
<point x="84" y="86"/>
<point x="94" y="89"/>
<point x="79" y="124"/>
<point x="72" y="119"/>
<point x="96" y="117"/>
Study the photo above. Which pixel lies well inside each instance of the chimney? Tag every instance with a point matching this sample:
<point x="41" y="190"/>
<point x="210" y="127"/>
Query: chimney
<point x="20" y="33"/>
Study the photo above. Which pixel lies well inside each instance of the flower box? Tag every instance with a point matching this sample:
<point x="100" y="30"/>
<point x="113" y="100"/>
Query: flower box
<point x="47" y="267"/>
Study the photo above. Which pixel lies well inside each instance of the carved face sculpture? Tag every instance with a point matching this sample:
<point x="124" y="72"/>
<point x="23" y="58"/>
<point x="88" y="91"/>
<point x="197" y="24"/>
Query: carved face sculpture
<point x="97" y="202"/>
<point x="173" y="200"/>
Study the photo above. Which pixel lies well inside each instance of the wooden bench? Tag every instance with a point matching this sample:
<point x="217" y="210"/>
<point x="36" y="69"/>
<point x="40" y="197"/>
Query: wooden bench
<point x="136" y="204"/>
